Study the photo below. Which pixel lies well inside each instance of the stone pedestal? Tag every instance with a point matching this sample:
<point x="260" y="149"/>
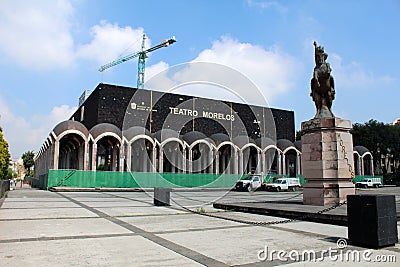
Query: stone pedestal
<point x="327" y="161"/>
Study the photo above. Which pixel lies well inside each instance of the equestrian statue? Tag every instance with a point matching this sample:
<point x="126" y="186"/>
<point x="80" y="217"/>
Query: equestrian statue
<point x="322" y="84"/>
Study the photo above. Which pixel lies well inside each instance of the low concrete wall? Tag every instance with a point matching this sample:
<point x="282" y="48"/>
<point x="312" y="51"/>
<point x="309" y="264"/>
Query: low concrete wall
<point x="4" y="186"/>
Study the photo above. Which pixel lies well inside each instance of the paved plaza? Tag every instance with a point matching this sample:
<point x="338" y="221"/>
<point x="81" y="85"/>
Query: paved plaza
<point x="42" y="228"/>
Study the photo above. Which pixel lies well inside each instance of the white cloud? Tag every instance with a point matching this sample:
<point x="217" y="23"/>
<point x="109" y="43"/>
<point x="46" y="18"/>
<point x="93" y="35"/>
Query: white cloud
<point x="354" y="75"/>
<point x="24" y="133"/>
<point x="37" y="34"/>
<point x="267" y="5"/>
<point x="110" y="40"/>
<point x="234" y="63"/>
<point x="273" y="71"/>
<point x="155" y="69"/>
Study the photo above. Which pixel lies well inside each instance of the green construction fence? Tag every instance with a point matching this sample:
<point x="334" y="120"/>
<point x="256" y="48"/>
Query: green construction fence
<point x="107" y="179"/>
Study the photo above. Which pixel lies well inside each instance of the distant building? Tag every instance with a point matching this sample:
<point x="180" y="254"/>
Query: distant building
<point x="123" y="129"/>
<point x="396" y="121"/>
<point x="17" y="166"/>
<point x="165" y="132"/>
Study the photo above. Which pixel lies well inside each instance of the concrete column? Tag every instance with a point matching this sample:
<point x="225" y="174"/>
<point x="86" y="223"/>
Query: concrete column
<point x="161" y="160"/>
<point x="259" y="162"/>
<point x="217" y="162"/>
<point x="298" y="164"/>
<point x="154" y="159"/>
<point x="86" y="156"/>
<point x="56" y="154"/>
<point x="241" y="162"/>
<point x="184" y="160"/>
<point x="279" y="163"/>
<point x="121" y="157"/>
<point x="372" y="166"/>
<point x="284" y="164"/>
<point x="94" y="156"/>
<point x="229" y="166"/>
<point x="358" y="165"/>
<point x="129" y="157"/>
<point x="210" y="161"/>
<point x="263" y="168"/>
<point x="190" y="161"/>
<point x="235" y="160"/>
<point x="362" y="166"/>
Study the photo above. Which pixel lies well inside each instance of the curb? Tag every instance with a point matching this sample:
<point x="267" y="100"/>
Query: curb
<point x="335" y="219"/>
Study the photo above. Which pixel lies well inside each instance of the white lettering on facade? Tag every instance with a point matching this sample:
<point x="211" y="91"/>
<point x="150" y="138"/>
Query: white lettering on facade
<point x="218" y="116"/>
<point x="206" y="114"/>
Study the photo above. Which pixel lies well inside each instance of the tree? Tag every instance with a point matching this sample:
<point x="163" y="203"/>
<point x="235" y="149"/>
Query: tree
<point x="4" y="156"/>
<point x="27" y="158"/>
<point x="10" y="174"/>
<point x="299" y="134"/>
<point x="379" y="138"/>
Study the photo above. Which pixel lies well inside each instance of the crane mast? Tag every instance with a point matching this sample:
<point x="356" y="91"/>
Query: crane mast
<point x="141" y="65"/>
<point x="142" y="54"/>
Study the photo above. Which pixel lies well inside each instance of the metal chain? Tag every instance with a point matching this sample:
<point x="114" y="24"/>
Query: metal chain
<point x="259" y="222"/>
<point x="345" y="156"/>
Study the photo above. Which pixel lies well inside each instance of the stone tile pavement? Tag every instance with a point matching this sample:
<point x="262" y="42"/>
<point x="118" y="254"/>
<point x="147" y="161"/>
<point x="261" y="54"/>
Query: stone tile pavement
<point x="41" y="228"/>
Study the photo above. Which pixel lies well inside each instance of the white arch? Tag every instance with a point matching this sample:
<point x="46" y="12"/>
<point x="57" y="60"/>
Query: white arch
<point x="57" y="146"/>
<point x="53" y="134"/>
<point x="201" y="141"/>
<point x="274" y="147"/>
<point x="251" y="145"/>
<point x="72" y="131"/>
<point x="141" y="136"/>
<point x="291" y="148"/>
<point x="90" y="138"/>
<point x="173" y="139"/>
<point x="227" y="143"/>
<point x="365" y="154"/>
<point x="108" y="134"/>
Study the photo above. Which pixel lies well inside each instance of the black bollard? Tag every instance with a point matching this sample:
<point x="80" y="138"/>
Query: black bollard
<point x="162" y="196"/>
<point x="372" y="220"/>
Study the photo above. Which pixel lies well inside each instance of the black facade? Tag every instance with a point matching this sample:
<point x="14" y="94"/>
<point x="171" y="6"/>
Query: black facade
<point x="126" y="107"/>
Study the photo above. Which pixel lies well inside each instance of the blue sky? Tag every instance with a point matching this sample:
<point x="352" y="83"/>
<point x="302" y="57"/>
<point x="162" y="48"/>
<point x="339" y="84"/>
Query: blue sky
<point x="51" y="50"/>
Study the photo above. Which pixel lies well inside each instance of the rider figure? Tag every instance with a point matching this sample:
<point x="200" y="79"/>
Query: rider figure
<point x="322" y="84"/>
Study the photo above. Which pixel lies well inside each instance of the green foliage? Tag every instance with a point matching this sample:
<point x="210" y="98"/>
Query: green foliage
<point x="200" y="210"/>
<point x="299" y="134"/>
<point x="100" y="167"/>
<point x="10" y="174"/>
<point x="27" y="158"/>
<point x="378" y="137"/>
<point x="4" y="156"/>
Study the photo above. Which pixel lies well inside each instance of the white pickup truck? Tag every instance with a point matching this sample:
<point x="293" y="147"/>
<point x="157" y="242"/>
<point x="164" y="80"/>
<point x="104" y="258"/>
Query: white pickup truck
<point x="369" y="182"/>
<point x="292" y="184"/>
<point x="249" y="183"/>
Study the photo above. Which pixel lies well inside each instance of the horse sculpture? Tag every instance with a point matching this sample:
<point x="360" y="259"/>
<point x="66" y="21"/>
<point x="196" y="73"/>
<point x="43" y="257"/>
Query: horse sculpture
<point x="322" y="85"/>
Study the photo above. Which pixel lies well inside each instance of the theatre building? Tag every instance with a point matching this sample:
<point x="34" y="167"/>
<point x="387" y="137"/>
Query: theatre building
<point x="122" y="129"/>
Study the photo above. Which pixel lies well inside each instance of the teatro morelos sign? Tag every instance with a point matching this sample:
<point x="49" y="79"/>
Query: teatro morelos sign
<point x="204" y="114"/>
<point x="227" y="114"/>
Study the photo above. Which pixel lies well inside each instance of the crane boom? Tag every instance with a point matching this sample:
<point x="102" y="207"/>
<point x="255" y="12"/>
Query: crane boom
<point x="118" y="61"/>
<point x="142" y="56"/>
